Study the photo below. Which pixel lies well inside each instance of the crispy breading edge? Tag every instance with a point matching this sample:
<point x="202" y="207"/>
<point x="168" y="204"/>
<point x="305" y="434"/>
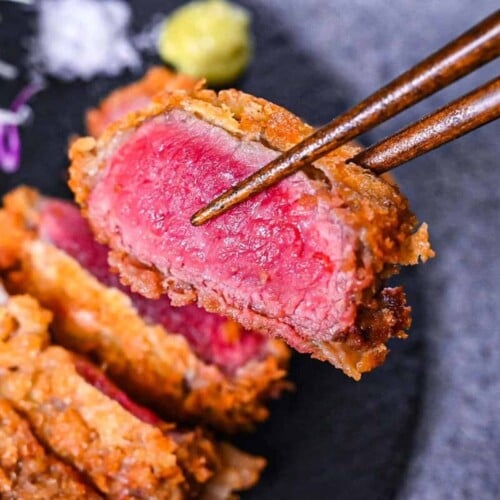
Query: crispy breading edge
<point x="369" y="197"/>
<point x="156" y="79"/>
<point x="238" y="471"/>
<point x="27" y="469"/>
<point x="118" y="452"/>
<point x="375" y="204"/>
<point x="155" y="366"/>
<point x="121" y="454"/>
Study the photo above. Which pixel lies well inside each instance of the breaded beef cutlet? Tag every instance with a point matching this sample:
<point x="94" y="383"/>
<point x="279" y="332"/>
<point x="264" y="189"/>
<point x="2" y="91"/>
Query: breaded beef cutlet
<point x="190" y="364"/>
<point x="134" y="97"/>
<point x="305" y="261"/>
<point x="27" y="471"/>
<point x="124" y="449"/>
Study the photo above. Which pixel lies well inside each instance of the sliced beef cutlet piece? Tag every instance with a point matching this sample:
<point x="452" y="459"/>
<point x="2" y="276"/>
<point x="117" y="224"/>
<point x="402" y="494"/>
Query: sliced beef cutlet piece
<point x="134" y="97"/>
<point x="124" y="449"/>
<point x="27" y="471"/>
<point x="210" y="371"/>
<point x="305" y="261"/>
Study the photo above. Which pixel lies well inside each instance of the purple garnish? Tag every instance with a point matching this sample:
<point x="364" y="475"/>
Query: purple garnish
<point x="10" y="140"/>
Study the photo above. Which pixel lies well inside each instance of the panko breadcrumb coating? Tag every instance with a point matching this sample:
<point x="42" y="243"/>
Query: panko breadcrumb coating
<point x="122" y="455"/>
<point x="155" y="366"/>
<point x="370" y="210"/>
<point x="27" y="471"/>
<point x="119" y="453"/>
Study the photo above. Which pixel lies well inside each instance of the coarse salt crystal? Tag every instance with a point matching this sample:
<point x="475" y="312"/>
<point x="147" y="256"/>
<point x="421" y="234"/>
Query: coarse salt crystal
<point x="83" y="38"/>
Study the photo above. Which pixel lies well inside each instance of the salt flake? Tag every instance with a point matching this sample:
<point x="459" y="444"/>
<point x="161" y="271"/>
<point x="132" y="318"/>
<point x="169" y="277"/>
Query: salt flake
<point x="83" y="38"/>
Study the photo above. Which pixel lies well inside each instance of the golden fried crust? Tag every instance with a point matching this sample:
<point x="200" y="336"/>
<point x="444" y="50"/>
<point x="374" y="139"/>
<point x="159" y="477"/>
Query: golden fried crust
<point x="238" y="471"/>
<point x="155" y="366"/>
<point x="375" y="204"/>
<point x="11" y="237"/>
<point x="135" y="96"/>
<point x="27" y="471"/>
<point x="380" y="316"/>
<point x="118" y="452"/>
<point x="123" y="456"/>
<point x="231" y="469"/>
<point x="23" y="330"/>
<point x="376" y="207"/>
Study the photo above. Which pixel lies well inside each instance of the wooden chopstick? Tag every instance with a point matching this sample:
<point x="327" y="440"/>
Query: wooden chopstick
<point x="477" y="108"/>
<point x="466" y="53"/>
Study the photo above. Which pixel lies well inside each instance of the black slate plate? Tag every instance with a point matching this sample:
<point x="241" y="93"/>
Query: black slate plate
<point x="332" y="438"/>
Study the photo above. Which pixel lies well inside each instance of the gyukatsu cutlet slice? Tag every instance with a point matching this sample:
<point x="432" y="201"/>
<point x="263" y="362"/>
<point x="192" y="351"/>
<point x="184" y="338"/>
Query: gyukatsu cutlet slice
<point x="115" y="106"/>
<point x="27" y="471"/>
<point x="135" y="96"/>
<point x="210" y="371"/>
<point x="124" y="449"/>
<point x="305" y="261"/>
<point x="116" y="451"/>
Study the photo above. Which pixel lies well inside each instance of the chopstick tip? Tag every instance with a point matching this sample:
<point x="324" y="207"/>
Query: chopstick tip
<point x="200" y="218"/>
<point x="213" y="209"/>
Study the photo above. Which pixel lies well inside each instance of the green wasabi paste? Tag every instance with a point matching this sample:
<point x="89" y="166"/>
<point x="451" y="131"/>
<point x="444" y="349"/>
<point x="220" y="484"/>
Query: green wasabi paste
<point x="207" y="39"/>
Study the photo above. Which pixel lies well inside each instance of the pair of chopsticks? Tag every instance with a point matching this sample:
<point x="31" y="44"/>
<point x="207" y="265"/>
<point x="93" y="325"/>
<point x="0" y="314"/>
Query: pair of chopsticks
<point x="476" y="47"/>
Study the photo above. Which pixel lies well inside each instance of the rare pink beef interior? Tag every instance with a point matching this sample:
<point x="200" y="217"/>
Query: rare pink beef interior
<point x="214" y="338"/>
<point x="285" y="262"/>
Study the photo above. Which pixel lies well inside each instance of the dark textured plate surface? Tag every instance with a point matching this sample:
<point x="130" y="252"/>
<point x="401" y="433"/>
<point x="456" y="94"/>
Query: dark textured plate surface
<point x="332" y="438"/>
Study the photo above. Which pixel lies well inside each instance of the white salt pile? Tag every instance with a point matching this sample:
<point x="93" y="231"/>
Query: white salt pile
<point x="83" y="38"/>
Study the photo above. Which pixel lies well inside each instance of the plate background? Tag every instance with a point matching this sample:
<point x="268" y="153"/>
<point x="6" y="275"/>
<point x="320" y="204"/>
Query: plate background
<point x="427" y="424"/>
